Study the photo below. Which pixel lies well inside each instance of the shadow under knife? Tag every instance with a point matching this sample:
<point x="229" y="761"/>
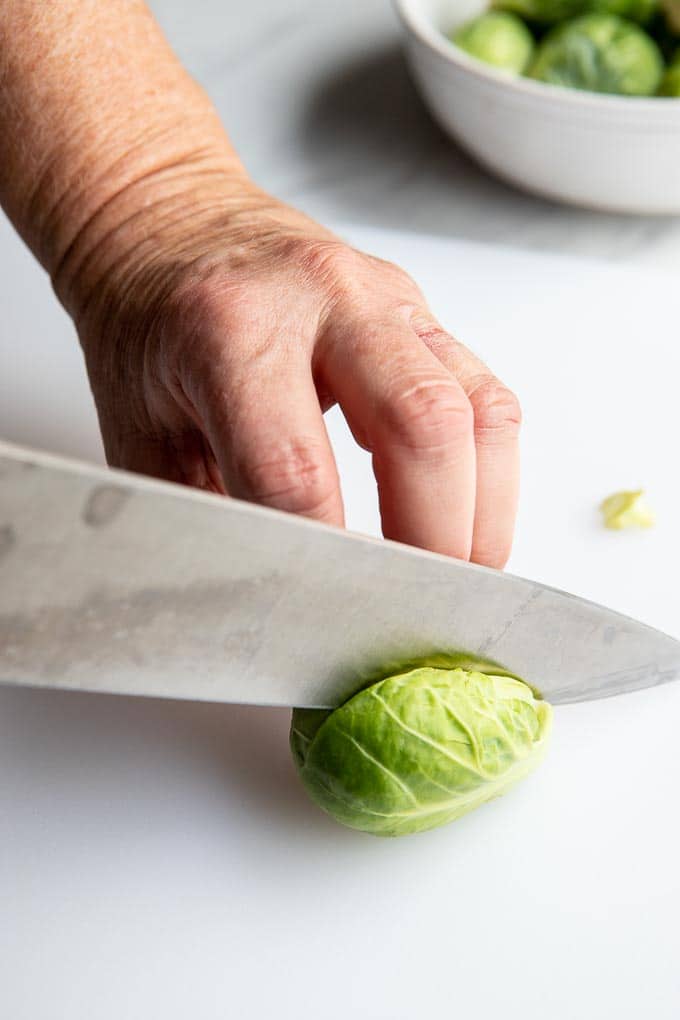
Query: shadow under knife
<point x="101" y="747"/>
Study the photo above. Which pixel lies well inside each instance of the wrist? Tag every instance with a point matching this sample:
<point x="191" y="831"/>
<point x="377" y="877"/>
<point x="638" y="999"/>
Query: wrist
<point x="130" y="216"/>
<point x="165" y="240"/>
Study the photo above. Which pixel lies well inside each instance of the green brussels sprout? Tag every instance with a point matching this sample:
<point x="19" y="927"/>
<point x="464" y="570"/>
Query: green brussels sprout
<point x="549" y="12"/>
<point x="670" y="83"/>
<point x="497" y="38"/>
<point x="419" y="749"/>
<point x="599" y="53"/>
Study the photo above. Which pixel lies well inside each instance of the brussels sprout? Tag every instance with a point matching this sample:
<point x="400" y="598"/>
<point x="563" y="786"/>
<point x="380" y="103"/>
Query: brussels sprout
<point x="419" y="749"/>
<point x="497" y="38"/>
<point x="670" y="83"/>
<point x="627" y="510"/>
<point x="549" y="12"/>
<point x="599" y="53"/>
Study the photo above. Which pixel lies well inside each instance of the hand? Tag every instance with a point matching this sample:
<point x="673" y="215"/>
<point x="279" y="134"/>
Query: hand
<point x="217" y="324"/>
<point x="222" y="327"/>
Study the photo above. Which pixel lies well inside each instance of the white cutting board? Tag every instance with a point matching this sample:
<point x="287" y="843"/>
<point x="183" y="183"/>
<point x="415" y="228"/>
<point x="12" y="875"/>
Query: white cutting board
<point x="161" y="860"/>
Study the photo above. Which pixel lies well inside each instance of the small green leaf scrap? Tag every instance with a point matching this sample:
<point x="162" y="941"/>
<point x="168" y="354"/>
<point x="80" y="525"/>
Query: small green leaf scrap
<point x="627" y="510"/>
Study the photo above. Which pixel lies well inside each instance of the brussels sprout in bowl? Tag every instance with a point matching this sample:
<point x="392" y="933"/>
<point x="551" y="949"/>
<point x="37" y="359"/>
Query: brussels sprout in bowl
<point x="498" y="38"/>
<point x="549" y="12"/>
<point x="600" y="53"/>
<point x="604" y="151"/>
<point x="670" y="83"/>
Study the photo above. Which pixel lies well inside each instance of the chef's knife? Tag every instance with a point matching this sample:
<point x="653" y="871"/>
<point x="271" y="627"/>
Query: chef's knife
<point x="114" y="582"/>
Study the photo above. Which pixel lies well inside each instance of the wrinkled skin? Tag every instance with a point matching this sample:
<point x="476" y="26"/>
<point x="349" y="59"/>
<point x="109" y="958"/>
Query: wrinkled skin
<point x="213" y="352"/>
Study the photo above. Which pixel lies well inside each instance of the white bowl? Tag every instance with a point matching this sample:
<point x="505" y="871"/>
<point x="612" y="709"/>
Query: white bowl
<point x="605" y="152"/>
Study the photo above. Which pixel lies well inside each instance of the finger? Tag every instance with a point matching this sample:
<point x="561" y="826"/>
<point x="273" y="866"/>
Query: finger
<point x="497" y="419"/>
<point x="180" y="455"/>
<point x="404" y="406"/>
<point x="269" y="437"/>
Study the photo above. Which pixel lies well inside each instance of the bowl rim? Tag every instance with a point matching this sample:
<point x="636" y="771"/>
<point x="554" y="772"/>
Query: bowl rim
<point x="420" y="26"/>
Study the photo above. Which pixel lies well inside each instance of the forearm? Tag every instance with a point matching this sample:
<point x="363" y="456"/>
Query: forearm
<point x="98" y="119"/>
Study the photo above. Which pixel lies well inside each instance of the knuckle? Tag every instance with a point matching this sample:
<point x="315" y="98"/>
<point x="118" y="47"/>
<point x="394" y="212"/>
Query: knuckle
<point x="346" y="271"/>
<point x="497" y="410"/>
<point x="293" y="476"/>
<point x="328" y="259"/>
<point x="334" y="272"/>
<point x="427" y="415"/>
<point x="398" y="276"/>
<point x="429" y="330"/>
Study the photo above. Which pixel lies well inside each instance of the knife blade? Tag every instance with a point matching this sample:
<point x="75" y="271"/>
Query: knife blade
<point x="114" y="582"/>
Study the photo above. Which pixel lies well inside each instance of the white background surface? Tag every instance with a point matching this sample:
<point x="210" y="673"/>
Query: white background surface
<point x="318" y="102"/>
<point x="161" y="860"/>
